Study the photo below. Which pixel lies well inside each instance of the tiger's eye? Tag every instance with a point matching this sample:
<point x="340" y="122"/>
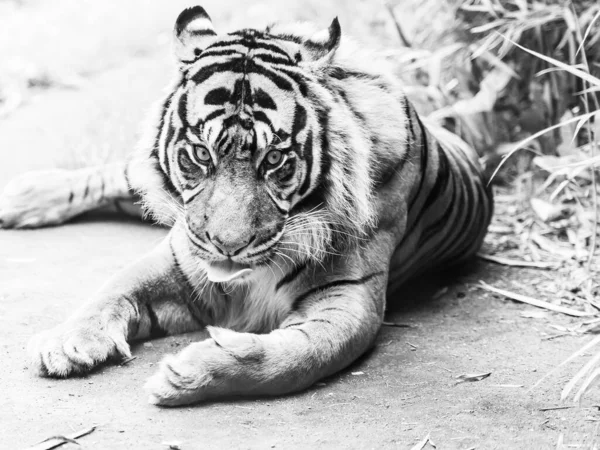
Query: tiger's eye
<point x="274" y="157"/>
<point x="202" y="154"/>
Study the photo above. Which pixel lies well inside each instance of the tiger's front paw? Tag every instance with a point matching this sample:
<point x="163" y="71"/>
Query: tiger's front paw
<point x="184" y="378"/>
<point x="74" y="348"/>
<point x="221" y="366"/>
<point x="37" y="199"/>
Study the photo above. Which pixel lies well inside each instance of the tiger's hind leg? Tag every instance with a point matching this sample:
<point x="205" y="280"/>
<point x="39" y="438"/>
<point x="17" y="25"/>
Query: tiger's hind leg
<point x="51" y="197"/>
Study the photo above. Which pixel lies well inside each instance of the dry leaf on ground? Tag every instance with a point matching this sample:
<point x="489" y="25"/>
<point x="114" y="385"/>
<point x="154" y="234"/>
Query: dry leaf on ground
<point x="470" y="377"/>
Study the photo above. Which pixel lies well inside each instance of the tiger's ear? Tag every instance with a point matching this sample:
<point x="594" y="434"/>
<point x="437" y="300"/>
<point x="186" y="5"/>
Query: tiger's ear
<point x="193" y="33"/>
<point x="321" y="47"/>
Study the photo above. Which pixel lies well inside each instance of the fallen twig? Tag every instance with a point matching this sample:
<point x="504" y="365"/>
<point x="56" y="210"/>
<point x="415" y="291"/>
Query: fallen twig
<point x="578" y="376"/>
<point x="470" y="377"/>
<point x="579" y="352"/>
<point x="535" y="302"/>
<point x="421" y="444"/>
<point x="553" y="408"/>
<point x="517" y="263"/>
<point x="551" y="247"/>
<point x="57" y="441"/>
<point x="512" y="386"/>
<point x="397" y="325"/>
<point x="556" y="336"/>
<point x="127" y="360"/>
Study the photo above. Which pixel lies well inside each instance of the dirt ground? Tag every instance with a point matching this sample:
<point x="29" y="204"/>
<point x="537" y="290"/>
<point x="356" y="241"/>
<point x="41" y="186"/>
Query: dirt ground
<point x="393" y="397"/>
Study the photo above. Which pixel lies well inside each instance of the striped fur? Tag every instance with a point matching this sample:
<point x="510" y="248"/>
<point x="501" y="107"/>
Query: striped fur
<point x="353" y="129"/>
<point x="301" y="187"/>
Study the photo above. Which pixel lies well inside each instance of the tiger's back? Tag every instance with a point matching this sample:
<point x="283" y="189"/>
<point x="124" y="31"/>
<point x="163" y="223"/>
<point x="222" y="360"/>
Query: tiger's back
<point x="449" y="209"/>
<point x="428" y="184"/>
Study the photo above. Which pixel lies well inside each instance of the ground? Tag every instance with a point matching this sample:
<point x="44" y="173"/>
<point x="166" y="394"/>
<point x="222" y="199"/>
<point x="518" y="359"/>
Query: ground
<point x="402" y="391"/>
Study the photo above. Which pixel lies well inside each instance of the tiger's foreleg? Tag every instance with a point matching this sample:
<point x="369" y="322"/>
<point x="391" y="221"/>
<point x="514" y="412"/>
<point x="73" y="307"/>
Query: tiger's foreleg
<point x="51" y="197"/>
<point x="332" y="328"/>
<point x="148" y="299"/>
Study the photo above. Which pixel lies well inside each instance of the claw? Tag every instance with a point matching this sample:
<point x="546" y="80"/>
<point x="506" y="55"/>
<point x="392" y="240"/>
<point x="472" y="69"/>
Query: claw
<point x="68" y="350"/>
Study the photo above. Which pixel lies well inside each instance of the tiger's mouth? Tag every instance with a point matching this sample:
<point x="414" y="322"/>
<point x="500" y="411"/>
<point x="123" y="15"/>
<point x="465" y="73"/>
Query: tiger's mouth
<point x="226" y="271"/>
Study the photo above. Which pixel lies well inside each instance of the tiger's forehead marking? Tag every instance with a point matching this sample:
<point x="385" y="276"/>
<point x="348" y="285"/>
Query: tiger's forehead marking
<point x="242" y="93"/>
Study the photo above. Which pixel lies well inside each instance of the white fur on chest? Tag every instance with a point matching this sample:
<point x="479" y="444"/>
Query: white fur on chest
<point x="254" y="307"/>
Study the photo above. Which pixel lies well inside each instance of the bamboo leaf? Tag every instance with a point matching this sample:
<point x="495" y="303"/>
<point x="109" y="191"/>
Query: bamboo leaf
<point x="587" y="32"/>
<point x="487" y="26"/>
<point x="593" y="378"/>
<point x="534" y="301"/>
<point x="556" y="69"/>
<point x="534" y="136"/>
<point x="576" y="354"/>
<point x="471" y="377"/>
<point x="572" y="70"/>
<point x="421" y="444"/>
<point x="579" y="375"/>
<point x="580" y="124"/>
<point x="588" y="91"/>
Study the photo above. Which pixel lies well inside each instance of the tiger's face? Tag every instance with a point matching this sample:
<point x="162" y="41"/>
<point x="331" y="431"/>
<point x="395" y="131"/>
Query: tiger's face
<point x="240" y="165"/>
<point x="241" y="142"/>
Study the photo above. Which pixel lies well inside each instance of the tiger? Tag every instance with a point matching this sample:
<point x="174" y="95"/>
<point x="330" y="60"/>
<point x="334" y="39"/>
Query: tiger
<point x="301" y="190"/>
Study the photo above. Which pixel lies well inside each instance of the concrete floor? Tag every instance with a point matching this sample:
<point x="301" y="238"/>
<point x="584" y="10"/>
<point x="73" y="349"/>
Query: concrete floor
<point x="392" y="398"/>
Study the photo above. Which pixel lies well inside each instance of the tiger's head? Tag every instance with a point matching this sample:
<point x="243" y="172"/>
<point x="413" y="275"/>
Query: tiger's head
<point x="245" y="152"/>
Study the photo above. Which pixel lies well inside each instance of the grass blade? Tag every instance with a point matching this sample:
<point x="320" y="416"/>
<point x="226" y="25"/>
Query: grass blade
<point x="587" y="385"/>
<point x="534" y="136"/>
<point x="579" y="375"/>
<point x="576" y="354"/>
<point x="587" y="32"/>
<point x="572" y="70"/>
<point x="535" y="302"/>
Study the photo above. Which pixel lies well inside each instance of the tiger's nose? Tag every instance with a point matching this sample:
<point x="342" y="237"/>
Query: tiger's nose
<point x="229" y="247"/>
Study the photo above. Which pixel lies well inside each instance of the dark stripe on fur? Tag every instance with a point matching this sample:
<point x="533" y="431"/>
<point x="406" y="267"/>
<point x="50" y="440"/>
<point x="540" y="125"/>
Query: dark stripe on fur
<point x="332" y="308"/>
<point x="333" y="284"/>
<point x="291" y="276"/>
<point x="343" y="95"/>
<point x="168" y="184"/>
<point x="165" y="106"/>
<point x="203" y="33"/>
<point x="342" y="74"/>
<point x="178" y="265"/>
<point x="213" y="115"/>
<point x="218" y="52"/>
<point x="303" y="332"/>
<point x="182" y="109"/>
<point x="264" y="100"/>
<point x="308" y="149"/>
<point x="103" y="184"/>
<point x="156" y="331"/>
<point x="87" y="188"/>
<point x="198" y="239"/>
<point x="442" y="179"/>
<point x="319" y="320"/>
<point x="132" y="333"/>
